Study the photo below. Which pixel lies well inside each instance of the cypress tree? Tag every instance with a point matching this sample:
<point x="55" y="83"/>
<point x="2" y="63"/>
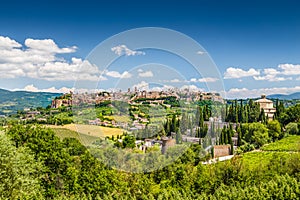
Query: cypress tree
<point x="241" y="111"/>
<point x="178" y="137"/>
<point x="239" y="132"/>
<point x="236" y="113"/>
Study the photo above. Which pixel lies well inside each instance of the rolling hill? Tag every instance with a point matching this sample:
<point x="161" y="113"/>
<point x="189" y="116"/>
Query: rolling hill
<point x="285" y="96"/>
<point x="12" y="101"/>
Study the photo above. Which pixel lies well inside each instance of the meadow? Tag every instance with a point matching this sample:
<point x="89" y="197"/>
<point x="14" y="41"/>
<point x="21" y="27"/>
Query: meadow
<point x="66" y="133"/>
<point x="269" y="154"/>
<point x="290" y="143"/>
<point x="90" y="130"/>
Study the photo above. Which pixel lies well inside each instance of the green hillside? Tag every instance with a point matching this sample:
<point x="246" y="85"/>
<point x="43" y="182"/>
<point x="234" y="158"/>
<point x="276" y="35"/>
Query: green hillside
<point x="12" y="101"/>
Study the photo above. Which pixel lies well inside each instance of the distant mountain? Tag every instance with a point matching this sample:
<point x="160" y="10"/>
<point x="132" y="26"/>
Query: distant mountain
<point x="12" y="101"/>
<point x="285" y="96"/>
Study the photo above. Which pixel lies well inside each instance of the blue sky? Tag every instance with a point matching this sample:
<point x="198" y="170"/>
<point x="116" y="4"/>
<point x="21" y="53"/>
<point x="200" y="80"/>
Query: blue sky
<point x="254" y="44"/>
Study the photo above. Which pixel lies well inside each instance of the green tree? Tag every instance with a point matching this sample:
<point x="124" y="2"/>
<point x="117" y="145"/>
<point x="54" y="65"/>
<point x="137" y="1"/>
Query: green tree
<point x="255" y="133"/>
<point x="178" y="137"/>
<point x="274" y="130"/>
<point x="292" y="128"/>
<point x="20" y="173"/>
<point x="129" y="141"/>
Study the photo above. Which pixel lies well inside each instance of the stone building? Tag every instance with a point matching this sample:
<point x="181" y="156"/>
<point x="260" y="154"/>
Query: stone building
<point x="267" y="106"/>
<point x="166" y="143"/>
<point x="222" y="150"/>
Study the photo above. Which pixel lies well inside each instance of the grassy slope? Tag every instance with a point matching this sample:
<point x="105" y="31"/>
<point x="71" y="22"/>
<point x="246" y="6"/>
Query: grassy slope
<point x="66" y="133"/>
<point x="279" y="150"/>
<point x="290" y="143"/>
<point x="262" y="159"/>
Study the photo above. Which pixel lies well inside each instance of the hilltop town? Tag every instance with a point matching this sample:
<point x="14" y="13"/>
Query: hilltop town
<point x="133" y="96"/>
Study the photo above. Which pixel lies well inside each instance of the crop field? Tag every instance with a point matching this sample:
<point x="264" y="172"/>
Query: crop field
<point x="262" y="160"/>
<point x="66" y="133"/>
<point x="277" y="151"/>
<point x="91" y="130"/>
<point x="290" y="143"/>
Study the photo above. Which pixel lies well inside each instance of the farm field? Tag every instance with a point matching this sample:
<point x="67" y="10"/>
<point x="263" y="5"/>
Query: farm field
<point x="91" y="130"/>
<point x="66" y="133"/>
<point x="262" y="160"/>
<point x="277" y="151"/>
<point x="290" y="143"/>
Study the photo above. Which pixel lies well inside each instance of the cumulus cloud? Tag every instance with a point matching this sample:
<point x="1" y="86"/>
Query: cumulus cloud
<point x="162" y="88"/>
<point x="273" y="75"/>
<point x="32" y="88"/>
<point x="124" y="50"/>
<point x="116" y="74"/>
<point x="146" y="74"/>
<point x="47" y="45"/>
<point x="141" y="86"/>
<point x="175" y="80"/>
<point x="194" y="80"/>
<point x="191" y="88"/>
<point x="251" y="93"/>
<point x="289" y="69"/>
<point x="38" y="59"/>
<point x="271" y="78"/>
<point x="207" y="80"/>
<point x="283" y="72"/>
<point x="201" y="52"/>
<point x="204" y="80"/>
<point x="271" y="71"/>
<point x="235" y="73"/>
<point x="7" y="43"/>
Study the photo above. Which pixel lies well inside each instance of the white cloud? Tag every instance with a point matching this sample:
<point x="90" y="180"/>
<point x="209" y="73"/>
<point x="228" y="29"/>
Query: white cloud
<point x="208" y="80"/>
<point x="116" y="74"/>
<point x="47" y="45"/>
<point x="32" y="88"/>
<point x="146" y="74"/>
<point x="162" y="88"/>
<point x="140" y="70"/>
<point x="175" y="80"/>
<point x="204" y="80"/>
<point x="124" y="50"/>
<point x="38" y="59"/>
<point x="141" y="86"/>
<point x="191" y="88"/>
<point x="251" y="93"/>
<point x="271" y="78"/>
<point x="193" y="80"/>
<point x="126" y="75"/>
<point x="268" y="74"/>
<point x="7" y="43"/>
<point x="271" y="71"/>
<point x="289" y="69"/>
<point x="271" y="74"/>
<point x="201" y="52"/>
<point x="234" y="73"/>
